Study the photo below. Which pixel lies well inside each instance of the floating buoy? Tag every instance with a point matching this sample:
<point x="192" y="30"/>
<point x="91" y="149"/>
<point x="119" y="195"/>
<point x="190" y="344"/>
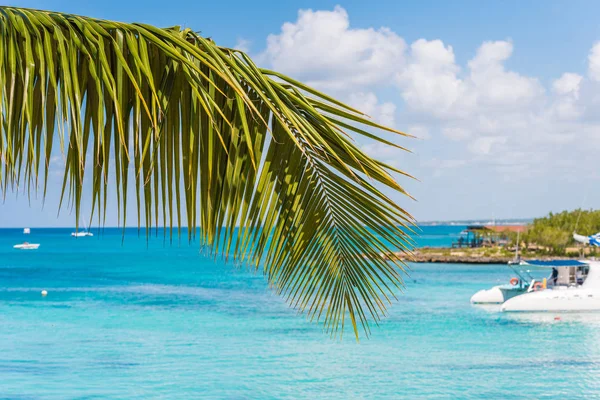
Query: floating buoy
<point x="44" y="293"/>
<point x="514" y="281"/>
<point x="557" y="318"/>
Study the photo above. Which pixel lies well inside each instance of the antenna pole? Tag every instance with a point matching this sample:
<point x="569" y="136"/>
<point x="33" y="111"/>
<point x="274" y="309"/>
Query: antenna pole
<point x="517" y="249"/>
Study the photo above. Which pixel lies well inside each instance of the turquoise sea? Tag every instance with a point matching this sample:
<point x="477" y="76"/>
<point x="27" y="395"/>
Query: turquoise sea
<point x="138" y="320"/>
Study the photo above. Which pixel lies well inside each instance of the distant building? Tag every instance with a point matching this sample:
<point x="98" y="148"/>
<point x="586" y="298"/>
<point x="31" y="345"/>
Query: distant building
<point x="487" y="235"/>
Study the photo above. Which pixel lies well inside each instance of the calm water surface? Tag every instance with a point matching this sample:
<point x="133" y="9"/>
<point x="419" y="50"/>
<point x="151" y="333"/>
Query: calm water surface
<point x="160" y="321"/>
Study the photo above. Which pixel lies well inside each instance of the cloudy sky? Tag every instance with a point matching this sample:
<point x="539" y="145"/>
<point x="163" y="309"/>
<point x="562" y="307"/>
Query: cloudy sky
<point x="503" y="98"/>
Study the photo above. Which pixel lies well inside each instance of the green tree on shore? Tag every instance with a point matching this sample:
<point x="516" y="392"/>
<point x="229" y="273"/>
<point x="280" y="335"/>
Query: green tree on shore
<point x="263" y="165"/>
<point x="555" y="231"/>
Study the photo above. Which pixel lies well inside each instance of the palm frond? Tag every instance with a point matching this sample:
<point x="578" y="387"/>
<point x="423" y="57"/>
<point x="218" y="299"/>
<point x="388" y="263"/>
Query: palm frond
<point x="259" y="164"/>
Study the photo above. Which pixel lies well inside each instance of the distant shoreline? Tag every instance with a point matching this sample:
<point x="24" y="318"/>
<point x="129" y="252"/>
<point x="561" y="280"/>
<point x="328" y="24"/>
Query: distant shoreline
<point x="483" y="221"/>
<point x="507" y="221"/>
<point x="448" y="255"/>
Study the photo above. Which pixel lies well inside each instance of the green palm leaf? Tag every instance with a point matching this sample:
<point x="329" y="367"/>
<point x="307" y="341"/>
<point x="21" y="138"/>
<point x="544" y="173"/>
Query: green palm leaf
<point x="257" y="163"/>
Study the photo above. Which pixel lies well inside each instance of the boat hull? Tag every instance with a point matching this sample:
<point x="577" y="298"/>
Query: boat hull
<point x="575" y="299"/>
<point x="496" y="295"/>
<point x="488" y="296"/>
<point x="26" y="246"/>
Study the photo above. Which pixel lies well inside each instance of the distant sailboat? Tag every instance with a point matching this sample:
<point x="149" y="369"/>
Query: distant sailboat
<point x="83" y="233"/>
<point x="26" y="231"/>
<point x="27" y="246"/>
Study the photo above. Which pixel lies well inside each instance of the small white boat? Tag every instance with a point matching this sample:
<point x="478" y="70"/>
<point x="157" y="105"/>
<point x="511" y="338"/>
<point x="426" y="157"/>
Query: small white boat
<point x="26" y="231"/>
<point x="499" y="294"/>
<point x="27" y="246"/>
<point x="83" y="233"/>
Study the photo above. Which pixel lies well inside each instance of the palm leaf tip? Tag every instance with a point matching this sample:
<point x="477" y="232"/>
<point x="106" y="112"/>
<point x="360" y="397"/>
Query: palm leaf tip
<point x="258" y="162"/>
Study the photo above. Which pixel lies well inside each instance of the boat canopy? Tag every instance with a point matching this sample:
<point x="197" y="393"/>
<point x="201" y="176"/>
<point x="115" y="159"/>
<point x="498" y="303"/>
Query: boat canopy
<point x="555" y="263"/>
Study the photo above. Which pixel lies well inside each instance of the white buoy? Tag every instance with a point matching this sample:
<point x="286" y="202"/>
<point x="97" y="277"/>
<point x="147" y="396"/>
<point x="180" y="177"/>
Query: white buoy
<point x="44" y="293"/>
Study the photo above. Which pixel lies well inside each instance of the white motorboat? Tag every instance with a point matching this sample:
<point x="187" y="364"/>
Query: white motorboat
<point x="500" y="293"/>
<point x="26" y="231"/>
<point x="516" y="286"/>
<point x="575" y="288"/>
<point x="27" y="246"/>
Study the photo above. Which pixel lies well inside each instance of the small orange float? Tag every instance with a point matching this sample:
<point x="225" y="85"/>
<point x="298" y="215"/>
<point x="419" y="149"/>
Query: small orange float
<point x="538" y="286"/>
<point x="514" y="281"/>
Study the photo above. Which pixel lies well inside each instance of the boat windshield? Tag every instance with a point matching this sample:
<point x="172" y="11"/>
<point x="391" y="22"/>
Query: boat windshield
<point x="523" y="274"/>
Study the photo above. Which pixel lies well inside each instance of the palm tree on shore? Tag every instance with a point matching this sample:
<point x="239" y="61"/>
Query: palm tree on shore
<point x="261" y="165"/>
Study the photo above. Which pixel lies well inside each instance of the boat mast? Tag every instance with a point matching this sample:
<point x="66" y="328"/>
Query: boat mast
<point x="517" y="247"/>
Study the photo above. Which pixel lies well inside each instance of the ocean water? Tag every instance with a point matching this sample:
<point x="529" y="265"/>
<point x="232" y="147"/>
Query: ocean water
<point x="164" y="321"/>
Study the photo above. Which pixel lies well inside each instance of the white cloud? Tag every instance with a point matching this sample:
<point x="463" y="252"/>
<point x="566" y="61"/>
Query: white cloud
<point x="594" y="62"/>
<point x="445" y="164"/>
<point x="381" y="113"/>
<point x="568" y="84"/>
<point x="474" y="109"/>
<point x="243" y="45"/>
<point x="441" y="167"/>
<point x="456" y="133"/>
<point x="483" y="145"/>
<point x="385" y="153"/>
<point x="566" y="105"/>
<point x="429" y="82"/>
<point x="474" y="102"/>
<point x="419" y="131"/>
<point x="57" y="161"/>
<point x="380" y="150"/>
<point x="322" y="49"/>
<point x="493" y="85"/>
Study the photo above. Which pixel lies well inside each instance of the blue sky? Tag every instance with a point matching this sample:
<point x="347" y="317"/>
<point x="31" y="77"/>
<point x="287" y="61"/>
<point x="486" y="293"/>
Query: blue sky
<point x="501" y="94"/>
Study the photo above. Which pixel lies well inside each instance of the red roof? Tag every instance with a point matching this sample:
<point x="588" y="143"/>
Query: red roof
<point x="507" y="228"/>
